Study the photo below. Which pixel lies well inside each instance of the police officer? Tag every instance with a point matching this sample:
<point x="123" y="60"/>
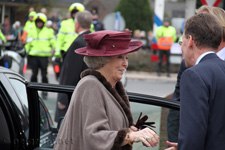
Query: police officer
<point x="40" y="41"/>
<point x="98" y="25"/>
<point x="29" y="25"/>
<point x="165" y="36"/>
<point x="67" y="34"/>
<point x="2" y="37"/>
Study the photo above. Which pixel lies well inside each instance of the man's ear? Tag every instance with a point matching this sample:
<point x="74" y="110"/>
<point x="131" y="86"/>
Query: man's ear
<point x="77" y="26"/>
<point x="190" y="41"/>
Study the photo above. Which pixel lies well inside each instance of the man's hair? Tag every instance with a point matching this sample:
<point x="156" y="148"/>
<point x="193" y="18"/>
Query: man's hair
<point x="217" y="12"/>
<point x="84" y="18"/>
<point x="205" y="30"/>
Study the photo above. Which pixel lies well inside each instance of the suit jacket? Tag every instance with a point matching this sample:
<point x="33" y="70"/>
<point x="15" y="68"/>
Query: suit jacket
<point x="176" y="94"/>
<point x="73" y="63"/>
<point x="202" y="97"/>
<point x="72" y="67"/>
<point x="98" y="117"/>
<point x="174" y="115"/>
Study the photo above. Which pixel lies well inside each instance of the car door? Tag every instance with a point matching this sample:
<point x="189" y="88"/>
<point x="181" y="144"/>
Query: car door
<point x="155" y="107"/>
<point x="47" y="127"/>
<point x="26" y="120"/>
<point x="15" y="109"/>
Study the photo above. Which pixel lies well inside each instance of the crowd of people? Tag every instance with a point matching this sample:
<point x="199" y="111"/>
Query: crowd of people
<point x="98" y="114"/>
<point x="44" y="37"/>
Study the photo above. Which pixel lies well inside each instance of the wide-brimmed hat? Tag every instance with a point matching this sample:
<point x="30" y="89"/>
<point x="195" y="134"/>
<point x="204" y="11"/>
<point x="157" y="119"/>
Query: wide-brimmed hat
<point x="108" y="43"/>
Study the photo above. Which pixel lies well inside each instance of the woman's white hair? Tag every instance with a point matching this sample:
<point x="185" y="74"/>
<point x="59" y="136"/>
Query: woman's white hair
<point x="96" y="62"/>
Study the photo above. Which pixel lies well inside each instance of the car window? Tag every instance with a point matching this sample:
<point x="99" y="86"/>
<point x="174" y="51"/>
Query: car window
<point x="155" y="114"/>
<point x="21" y="93"/>
<point x="47" y="131"/>
<point x="44" y="123"/>
<point x="50" y="102"/>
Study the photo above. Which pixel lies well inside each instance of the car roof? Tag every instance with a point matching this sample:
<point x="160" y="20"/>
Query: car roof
<point x="6" y="70"/>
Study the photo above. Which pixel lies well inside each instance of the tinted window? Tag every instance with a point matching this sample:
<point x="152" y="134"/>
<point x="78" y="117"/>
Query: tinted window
<point x="23" y="111"/>
<point x="44" y="124"/>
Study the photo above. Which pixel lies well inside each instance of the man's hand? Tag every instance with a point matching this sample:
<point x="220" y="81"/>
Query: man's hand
<point x="174" y="145"/>
<point x="61" y="106"/>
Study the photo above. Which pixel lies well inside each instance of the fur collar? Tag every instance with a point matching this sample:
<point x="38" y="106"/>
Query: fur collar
<point x="119" y="92"/>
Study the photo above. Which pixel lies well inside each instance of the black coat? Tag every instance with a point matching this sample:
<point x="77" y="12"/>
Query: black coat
<point x="72" y="67"/>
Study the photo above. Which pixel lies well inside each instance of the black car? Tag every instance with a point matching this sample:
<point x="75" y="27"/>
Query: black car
<point x="26" y="122"/>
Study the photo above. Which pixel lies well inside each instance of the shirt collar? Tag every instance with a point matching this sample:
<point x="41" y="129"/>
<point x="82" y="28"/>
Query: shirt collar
<point x="201" y="56"/>
<point x="221" y="54"/>
<point x="82" y="32"/>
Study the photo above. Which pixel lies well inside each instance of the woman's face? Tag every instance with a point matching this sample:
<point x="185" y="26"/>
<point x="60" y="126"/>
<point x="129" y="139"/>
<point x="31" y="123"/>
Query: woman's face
<point x="115" y="68"/>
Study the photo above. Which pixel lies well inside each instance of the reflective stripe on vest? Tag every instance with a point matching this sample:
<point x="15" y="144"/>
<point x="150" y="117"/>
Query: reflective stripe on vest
<point x="40" y="52"/>
<point x="71" y="33"/>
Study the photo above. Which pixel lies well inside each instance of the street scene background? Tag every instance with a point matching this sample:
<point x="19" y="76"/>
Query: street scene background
<point x="142" y="17"/>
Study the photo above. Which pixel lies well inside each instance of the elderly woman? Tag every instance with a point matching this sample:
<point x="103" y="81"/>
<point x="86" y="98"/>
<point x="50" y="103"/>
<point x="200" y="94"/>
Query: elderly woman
<point x="99" y="116"/>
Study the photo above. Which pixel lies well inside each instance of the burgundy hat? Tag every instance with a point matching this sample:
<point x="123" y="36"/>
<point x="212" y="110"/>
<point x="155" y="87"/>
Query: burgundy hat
<point x="108" y="43"/>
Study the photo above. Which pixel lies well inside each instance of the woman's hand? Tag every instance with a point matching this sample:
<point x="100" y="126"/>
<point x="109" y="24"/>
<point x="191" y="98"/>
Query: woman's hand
<point x="146" y="136"/>
<point x="174" y="145"/>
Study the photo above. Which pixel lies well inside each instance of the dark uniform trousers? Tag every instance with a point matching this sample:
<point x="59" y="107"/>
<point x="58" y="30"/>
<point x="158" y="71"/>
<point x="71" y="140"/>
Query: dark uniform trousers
<point x="161" y="54"/>
<point x="37" y="62"/>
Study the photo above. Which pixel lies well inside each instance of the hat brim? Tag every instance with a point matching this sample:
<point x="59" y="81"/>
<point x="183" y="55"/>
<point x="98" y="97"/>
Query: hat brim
<point x="133" y="46"/>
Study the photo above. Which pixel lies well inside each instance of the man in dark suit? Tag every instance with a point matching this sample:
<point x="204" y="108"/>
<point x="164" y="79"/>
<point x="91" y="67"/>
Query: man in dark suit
<point x="202" y="94"/>
<point x="173" y="115"/>
<point x="73" y="63"/>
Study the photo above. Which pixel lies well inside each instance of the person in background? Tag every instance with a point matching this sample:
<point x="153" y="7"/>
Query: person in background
<point x="27" y="14"/>
<point x="54" y="18"/>
<point x="73" y="63"/>
<point x="98" y="25"/>
<point x="150" y="38"/>
<point x="67" y="34"/>
<point x="2" y="42"/>
<point x="202" y="93"/>
<point x="174" y="115"/>
<point x="6" y="27"/>
<point x="41" y="40"/>
<point x="44" y="11"/>
<point x="2" y="38"/>
<point x="136" y="34"/>
<point x="29" y="26"/>
<point x="55" y="21"/>
<point x="49" y="24"/>
<point x="99" y="115"/>
<point x="165" y="36"/>
<point x="17" y="32"/>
